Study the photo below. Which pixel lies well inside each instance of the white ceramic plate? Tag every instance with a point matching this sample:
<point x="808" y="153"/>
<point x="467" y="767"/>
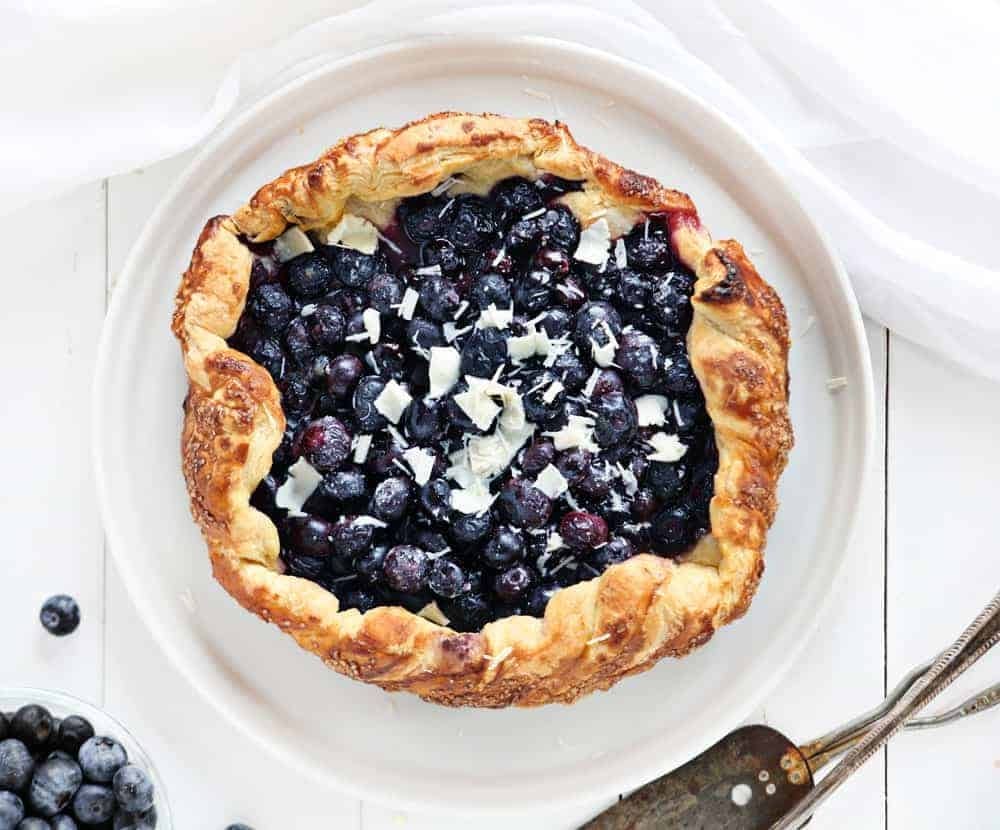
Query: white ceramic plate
<point x="396" y="748"/>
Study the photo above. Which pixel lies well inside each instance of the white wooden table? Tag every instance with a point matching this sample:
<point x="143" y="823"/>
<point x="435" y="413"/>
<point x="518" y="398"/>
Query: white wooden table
<point x="923" y="563"/>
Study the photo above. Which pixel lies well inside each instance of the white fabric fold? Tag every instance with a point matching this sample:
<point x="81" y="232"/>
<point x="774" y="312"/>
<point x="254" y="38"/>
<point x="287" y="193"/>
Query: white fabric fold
<point x="883" y="116"/>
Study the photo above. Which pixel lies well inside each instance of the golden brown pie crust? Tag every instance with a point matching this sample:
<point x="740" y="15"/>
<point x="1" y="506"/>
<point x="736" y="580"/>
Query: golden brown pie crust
<point x="593" y="633"/>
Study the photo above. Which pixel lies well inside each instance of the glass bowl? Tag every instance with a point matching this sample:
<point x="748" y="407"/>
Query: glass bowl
<point x="62" y="705"/>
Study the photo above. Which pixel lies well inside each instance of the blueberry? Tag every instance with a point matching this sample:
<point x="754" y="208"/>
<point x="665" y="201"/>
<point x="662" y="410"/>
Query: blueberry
<point x="389" y="359"/>
<point x="446" y="578"/>
<point x="100" y="758"/>
<point x="574" y="464"/>
<point x="639" y="357"/>
<point x="555" y="261"/>
<point x="513" y="198"/>
<point x="271" y="307"/>
<point x="352" y="539"/>
<point x="353" y="268"/>
<point x="385" y="292"/>
<point x="666" y="481"/>
<point x="583" y="531"/>
<point x="268" y="354"/>
<point x="471" y="226"/>
<point x="524" y="504"/>
<point x="442" y="253"/>
<point x="469" y="612"/>
<point x="484" y="351"/>
<point x="616" y="420"/>
<point x="614" y="552"/>
<point x="647" y="248"/>
<point x="424" y="333"/>
<point x="537" y="456"/>
<point x="601" y="285"/>
<point x="325" y="443"/>
<point x="524" y="234"/>
<point x="435" y="499"/>
<point x="505" y="547"/>
<point x="94" y="804"/>
<point x="296" y="395"/>
<point x="53" y="786"/>
<point x="644" y="505"/>
<point x="368" y="417"/>
<point x="671" y="530"/>
<point x="73" y="732"/>
<point x="65" y="822"/>
<point x="678" y="376"/>
<point x="60" y="754"/>
<point x="608" y="380"/>
<point x="560" y="228"/>
<point x="34" y="823"/>
<point x="342" y="375"/>
<point x="490" y="289"/>
<point x="592" y="324"/>
<point x="572" y="371"/>
<point x="369" y="565"/>
<point x="532" y="293"/>
<point x="541" y="406"/>
<point x="390" y="499"/>
<point x="33" y="725"/>
<point x="689" y="414"/>
<point x="422" y="421"/>
<point x="424" y="219"/>
<point x="405" y="568"/>
<point x="669" y="305"/>
<point x="439" y="298"/>
<point x="513" y="583"/>
<point x="133" y="789"/>
<point x="310" y="536"/>
<point x="309" y="276"/>
<point x="327" y="326"/>
<point x="60" y="615"/>
<point x="538" y="599"/>
<point x="556" y="322"/>
<point x="633" y="289"/>
<point x="11" y="810"/>
<point x="469" y="529"/>
<point x="298" y="343"/>
<point x="597" y="483"/>
<point x="361" y="599"/>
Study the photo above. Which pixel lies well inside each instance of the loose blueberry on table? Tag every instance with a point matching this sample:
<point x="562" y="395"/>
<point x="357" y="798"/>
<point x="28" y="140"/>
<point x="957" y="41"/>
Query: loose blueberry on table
<point x="57" y="775"/>
<point x="480" y="411"/>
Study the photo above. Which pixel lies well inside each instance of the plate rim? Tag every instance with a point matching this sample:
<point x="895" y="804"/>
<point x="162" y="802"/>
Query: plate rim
<point x="857" y="351"/>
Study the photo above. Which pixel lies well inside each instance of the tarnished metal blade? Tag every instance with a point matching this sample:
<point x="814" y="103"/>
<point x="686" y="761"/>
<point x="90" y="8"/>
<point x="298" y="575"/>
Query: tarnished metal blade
<point x="746" y="781"/>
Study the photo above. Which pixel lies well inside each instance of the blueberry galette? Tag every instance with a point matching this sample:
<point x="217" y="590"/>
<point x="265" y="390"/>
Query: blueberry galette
<point x="476" y="413"/>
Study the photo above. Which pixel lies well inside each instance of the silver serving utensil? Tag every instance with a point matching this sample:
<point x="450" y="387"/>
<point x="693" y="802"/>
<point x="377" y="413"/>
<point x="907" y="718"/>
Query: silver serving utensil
<point x="757" y="778"/>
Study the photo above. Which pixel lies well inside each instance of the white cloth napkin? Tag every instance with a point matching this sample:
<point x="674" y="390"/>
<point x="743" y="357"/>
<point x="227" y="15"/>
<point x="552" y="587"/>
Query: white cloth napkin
<point x="884" y="116"/>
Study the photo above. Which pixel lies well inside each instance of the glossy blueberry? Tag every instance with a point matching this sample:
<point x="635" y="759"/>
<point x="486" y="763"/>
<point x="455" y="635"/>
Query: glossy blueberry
<point x="435" y="499"/>
<point x="513" y="198"/>
<point x="101" y="757"/>
<point x="390" y="499"/>
<point x="470" y="529"/>
<point x="73" y="732"/>
<point x="490" y="289"/>
<point x="538" y="599"/>
<point x="601" y="285"/>
<point x="309" y="276"/>
<point x="296" y="394"/>
<point x="60" y="615"/>
<point x="133" y="789"/>
<point x="608" y="381"/>
<point x="369" y="419"/>
<point x="385" y="292"/>
<point x="583" y="531"/>
<point x="342" y="374"/>
<point x="363" y="599"/>
<point x="268" y="353"/>
<point x="556" y="322"/>
<point x="33" y="725"/>
<point x="422" y="420"/>
<point x="553" y="260"/>
<point x="385" y="458"/>
<point x="666" y="481"/>
<point x="309" y="535"/>
<point x="678" y="376"/>
<point x="66" y="822"/>
<point x="505" y="547"/>
<point x="616" y="551"/>
<point x="298" y="343"/>
<point x="325" y="443"/>
<point x="543" y="402"/>
<point x="11" y="810"/>
<point x="405" y="568"/>
<point x="94" y="804"/>
<point x="446" y="578"/>
<point x="471" y="224"/>
<point x="369" y="565"/>
<point x="598" y="481"/>
<point x="571" y="371"/>
<point x="470" y="611"/>
<point x="524" y="504"/>
<point x="424" y="220"/>
<point x="669" y="305"/>
<point x="633" y="289"/>
<point x="592" y="324"/>
<point x="344" y="491"/>
<point x="671" y="531"/>
<point x="532" y="293"/>
<point x="352" y="539"/>
<point x="34" y="823"/>
<point x="427" y="539"/>
<point x="560" y="229"/>
<point x="327" y="326"/>
<point x="574" y="464"/>
<point x="389" y="359"/>
<point x="53" y="785"/>
<point x="424" y="333"/>
<point x="484" y="351"/>
<point x="439" y="298"/>
<point x="353" y="268"/>
<point x="537" y="456"/>
<point x="647" y="248"/>
<point x="639" y="357"/>
<point x="514" y="583"/>
<point x="442" y="253"/>
<point x="689" y="414"/>
<point x="616" y="420"/>
<point x="271" y="307"/>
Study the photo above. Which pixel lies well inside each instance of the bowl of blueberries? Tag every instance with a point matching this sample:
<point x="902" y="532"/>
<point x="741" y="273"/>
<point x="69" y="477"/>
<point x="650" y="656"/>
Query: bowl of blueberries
<point x="66" y="765"/>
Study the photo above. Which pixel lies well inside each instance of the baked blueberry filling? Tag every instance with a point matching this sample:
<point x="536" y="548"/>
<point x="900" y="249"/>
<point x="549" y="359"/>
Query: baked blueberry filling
<point x="485" y="403"/>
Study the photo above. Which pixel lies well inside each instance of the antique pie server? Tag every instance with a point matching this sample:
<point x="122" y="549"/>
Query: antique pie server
<point x="756" y="778"/>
